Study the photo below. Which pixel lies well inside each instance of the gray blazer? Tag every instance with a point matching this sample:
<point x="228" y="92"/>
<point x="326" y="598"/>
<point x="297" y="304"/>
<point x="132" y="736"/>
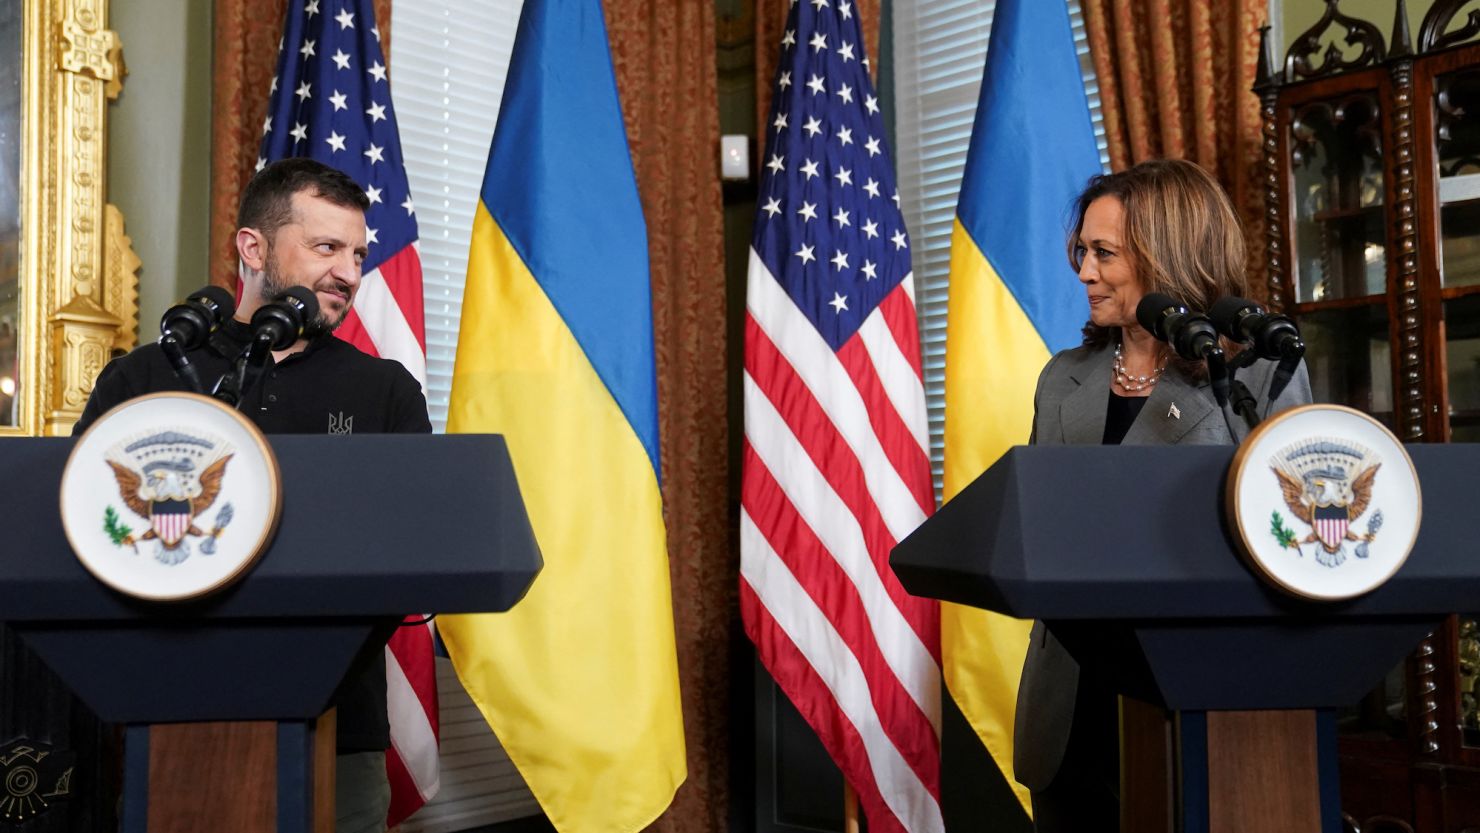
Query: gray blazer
<point x="1069" y="409"/>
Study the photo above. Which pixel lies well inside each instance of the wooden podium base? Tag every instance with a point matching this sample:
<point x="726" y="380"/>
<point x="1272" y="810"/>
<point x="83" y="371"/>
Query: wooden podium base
<point x="1262" y="771"/>
<point x="254" y="777"/>
<point x="1228" y="771"/>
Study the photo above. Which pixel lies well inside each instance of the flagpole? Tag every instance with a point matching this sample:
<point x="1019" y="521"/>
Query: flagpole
<point x="850" y="809"/>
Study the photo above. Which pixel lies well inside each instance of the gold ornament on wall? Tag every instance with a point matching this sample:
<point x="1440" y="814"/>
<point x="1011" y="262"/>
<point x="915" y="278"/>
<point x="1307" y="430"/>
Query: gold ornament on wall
<point x="76" y="283"/>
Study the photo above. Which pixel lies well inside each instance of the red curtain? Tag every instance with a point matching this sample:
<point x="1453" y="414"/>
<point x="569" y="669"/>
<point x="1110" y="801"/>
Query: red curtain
<point x="1175" y="80"/>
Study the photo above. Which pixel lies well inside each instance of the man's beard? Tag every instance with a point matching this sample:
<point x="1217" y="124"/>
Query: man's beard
<point x="273" y="285"/>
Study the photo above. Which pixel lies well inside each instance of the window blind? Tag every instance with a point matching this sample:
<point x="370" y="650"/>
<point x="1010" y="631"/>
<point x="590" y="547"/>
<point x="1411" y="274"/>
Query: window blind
<point x="940" y="50"/>
<point x="448" y="62"/>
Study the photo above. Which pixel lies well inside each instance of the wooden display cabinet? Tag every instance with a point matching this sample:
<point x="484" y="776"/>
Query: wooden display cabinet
<point x="1371" y="144"/>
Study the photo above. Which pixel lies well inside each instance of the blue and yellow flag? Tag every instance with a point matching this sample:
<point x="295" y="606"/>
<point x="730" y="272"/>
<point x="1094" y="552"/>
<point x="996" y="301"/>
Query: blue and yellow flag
<point x="580" y="680"/>
<point x="1014" y="302"/>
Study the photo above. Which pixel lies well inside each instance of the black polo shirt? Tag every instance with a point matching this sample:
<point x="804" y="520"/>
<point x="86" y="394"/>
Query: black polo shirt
<point x="328" y="388"/>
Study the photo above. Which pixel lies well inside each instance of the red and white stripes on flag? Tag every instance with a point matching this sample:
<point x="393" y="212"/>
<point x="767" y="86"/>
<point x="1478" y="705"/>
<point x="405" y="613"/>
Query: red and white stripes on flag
<point x="387" y="319"/>
<point x="836" y="459"/>
<point x="835" y="473"/>
<point x="330" y="100"/>
<point x="412" y="762"/>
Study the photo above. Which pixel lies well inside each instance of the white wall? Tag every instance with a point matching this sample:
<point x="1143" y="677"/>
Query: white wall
<point x="159" y="147"/>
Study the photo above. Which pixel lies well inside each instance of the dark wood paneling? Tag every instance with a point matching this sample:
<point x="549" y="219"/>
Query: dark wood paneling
<point x="1371" y="788"/>
<point x="1147" y="768"/>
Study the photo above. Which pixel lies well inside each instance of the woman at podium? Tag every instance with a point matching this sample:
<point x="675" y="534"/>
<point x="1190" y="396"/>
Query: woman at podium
<point x="1166" y="227"/>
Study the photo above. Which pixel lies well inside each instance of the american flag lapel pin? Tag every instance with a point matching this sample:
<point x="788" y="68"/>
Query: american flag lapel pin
<point x="1173" y="412"/>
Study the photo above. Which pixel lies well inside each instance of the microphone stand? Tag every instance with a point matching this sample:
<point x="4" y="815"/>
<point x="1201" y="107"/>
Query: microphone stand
<point x="245" y="370"/>
<point x="1242" y="400"/>
<point x="186" y="371"/>
<point x="255" y="361"/>
<point x="1244" y="403"/>
<point x="1291" y="352"/>
<point x="229" y="387"/>
<point x="1217" y="374"/>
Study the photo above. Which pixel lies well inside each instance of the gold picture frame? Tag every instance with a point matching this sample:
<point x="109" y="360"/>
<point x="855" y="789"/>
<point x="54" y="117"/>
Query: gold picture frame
<point x="78" y="283"/>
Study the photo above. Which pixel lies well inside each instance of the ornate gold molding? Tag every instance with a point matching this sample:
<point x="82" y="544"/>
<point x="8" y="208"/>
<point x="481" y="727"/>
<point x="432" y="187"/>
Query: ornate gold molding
<point x="93" y="52"/>
<point x="78" y="272"/>
<point x="120" y="278"/>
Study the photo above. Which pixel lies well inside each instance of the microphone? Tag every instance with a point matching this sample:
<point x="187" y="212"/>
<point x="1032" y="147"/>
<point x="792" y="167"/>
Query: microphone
<point x="1191" y="334"/>
<point x="1273" y="336"/>
<point x="286" y="318"/>
<point x="275" y="325"/>
<point x="192" y="321"/>
<point x="187" y="325"/>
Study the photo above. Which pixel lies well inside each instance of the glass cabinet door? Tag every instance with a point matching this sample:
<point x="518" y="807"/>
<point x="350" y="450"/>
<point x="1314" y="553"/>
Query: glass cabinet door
<point x="1469" y="674"/>
<point x="1336" y="167"/>
<point x="1349" y="356"/>
<point x="1338" y="207"/>
<point x="1457" y="134"/>
<point x="1462" y="366"/>
<point x="1457" y="157"/>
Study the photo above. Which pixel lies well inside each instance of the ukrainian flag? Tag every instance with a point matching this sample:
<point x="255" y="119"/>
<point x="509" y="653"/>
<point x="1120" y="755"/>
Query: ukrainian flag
<point x="580" y="680"/>
<point x="1014" y="302"/>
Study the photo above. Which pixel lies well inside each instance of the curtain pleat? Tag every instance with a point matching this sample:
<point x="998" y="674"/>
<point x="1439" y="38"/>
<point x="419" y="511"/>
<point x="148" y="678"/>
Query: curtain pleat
<point x="664" y="53"/>
<point x="1175" y="81"/>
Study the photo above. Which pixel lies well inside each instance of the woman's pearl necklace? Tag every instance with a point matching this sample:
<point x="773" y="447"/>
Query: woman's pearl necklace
<point x="1135" y="384"/>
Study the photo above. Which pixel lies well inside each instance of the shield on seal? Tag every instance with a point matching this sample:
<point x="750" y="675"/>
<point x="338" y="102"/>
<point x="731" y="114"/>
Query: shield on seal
<point x="170" y="519"/>
<point x="1330" y="524"/>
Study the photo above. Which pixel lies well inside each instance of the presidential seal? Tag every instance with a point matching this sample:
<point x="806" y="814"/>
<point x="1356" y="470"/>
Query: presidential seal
<point x="170" y="496"/>
<point x="165" y="479"/>
<point x="1324" y="502"/>
<point x="1327" y="484"/>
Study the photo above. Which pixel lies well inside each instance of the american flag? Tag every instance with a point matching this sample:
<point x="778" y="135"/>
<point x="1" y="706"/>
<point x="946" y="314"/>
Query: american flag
<point x="836" y="465"/>
<point x="331" y="102"/>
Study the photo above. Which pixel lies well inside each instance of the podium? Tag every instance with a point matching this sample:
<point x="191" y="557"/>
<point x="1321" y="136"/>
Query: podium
<point x="222" y="696"/>
<point x="1124" y="553"/>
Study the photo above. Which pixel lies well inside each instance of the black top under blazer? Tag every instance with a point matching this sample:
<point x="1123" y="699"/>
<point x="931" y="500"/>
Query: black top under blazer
<point x="1069" y="408"/>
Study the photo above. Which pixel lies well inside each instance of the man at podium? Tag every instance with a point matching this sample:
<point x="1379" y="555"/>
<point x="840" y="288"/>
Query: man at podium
<point x="302" y="224"/>
<point x="1167" y="227"/>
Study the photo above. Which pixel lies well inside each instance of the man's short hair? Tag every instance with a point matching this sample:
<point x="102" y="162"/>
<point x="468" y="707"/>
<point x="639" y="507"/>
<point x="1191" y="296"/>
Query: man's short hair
<point x="267" y="202"/>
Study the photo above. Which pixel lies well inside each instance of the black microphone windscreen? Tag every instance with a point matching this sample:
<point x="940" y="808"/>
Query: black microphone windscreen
<point x="1149" y="312"/>
<point x="216" y="297"/>
<point x="307" y="302"/>
<point x="191" y="321"/>
<point x="1226" y="313"/>
<point x="287" y="317"/>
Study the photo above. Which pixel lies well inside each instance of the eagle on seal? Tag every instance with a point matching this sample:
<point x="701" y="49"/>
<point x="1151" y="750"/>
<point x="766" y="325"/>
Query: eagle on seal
<point x="1328" y="501"/>
<point x="166" y="494"/>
